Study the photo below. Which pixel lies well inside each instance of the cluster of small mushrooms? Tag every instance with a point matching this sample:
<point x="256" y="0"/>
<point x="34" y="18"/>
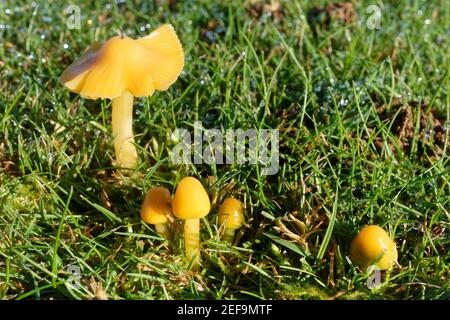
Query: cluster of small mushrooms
<point x="123" y="68"/>
<point x="372" y="245"/>
<point x="190" y="203"/>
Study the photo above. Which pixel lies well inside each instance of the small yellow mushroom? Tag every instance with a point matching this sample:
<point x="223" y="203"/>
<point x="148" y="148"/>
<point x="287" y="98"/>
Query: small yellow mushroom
<point x="156" y="209"/>
<point x="372" y="246"/>
<point x="190" y="203"/>
<point x="231" y="217"/>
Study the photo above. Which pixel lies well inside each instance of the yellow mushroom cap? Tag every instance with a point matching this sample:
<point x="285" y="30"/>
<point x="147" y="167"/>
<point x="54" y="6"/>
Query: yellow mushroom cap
<point x="138" y="66"/>
<point x="370" y="244"/>
<point x="190" y="200"/>
<point x="156" y="207"/>
<point x="230" y="214"/>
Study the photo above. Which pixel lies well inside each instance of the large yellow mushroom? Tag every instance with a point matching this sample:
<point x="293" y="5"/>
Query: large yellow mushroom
<point x="190" y="203"/>
<point x="372" y="246"/>
<point x="121" y="69"/>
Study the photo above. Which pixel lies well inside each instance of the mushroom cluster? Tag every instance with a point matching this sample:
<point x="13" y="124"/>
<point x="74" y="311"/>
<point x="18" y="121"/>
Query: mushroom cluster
<point x="121" y="69"/>
<point x="372" y="246"/>
<point x="189" y="203"/>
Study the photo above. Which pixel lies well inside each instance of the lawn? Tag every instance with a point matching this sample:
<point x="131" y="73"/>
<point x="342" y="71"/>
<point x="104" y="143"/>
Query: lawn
<point x="361" y="106"/>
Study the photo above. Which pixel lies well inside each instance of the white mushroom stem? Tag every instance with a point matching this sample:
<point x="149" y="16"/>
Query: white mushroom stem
<point x="122" y="128"/>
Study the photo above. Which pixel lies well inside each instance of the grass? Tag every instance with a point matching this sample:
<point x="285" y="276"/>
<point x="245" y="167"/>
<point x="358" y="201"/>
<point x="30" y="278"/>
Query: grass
<point x="363" y="117"/>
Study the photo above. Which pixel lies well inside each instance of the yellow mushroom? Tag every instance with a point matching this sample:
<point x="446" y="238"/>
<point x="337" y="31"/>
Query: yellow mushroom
<point x="156" y="209"/>
<point x="121" y="69"/>
<point x="372" y="246"/>
<point x="231" y="217"/>
<point x="190" y="203"/>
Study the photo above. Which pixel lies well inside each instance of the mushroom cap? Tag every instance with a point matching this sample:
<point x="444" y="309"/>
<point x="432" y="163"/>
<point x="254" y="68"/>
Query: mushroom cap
<point x="190" y="200"/>
<point x="138" y="66"/>
<point x="372" y="245"/>
<point x="156" y="207"/>
<point x="231" y="214"/>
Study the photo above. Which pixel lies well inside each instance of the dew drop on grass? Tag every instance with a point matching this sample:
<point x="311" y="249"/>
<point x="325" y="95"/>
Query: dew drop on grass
<point x="50" y="158"/>
<point x="427" y="21"/>
<point x="447" y="128"/>
<point x="7" y="11"/>
<point x="66" y="46"/>
<point x="262" y="104"/>
<point x="343" y="102"/>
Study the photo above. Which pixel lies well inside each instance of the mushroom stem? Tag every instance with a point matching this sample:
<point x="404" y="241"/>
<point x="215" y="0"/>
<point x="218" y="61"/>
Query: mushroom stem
<point x="122" y="128"/>
<point x="163" y="230"/>
<point x="228" y="235"/>
<point x="192" y="242"/>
